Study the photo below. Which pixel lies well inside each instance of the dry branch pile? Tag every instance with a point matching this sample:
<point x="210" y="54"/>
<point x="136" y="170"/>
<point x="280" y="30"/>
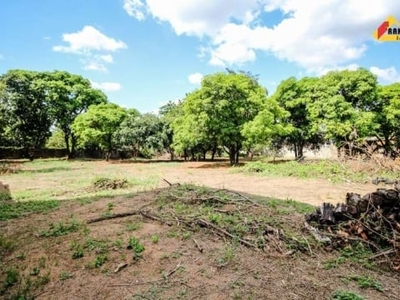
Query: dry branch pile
<point x="109" y="184"/>
<point x="373" y="219"/>
<point x="228" y="214"/>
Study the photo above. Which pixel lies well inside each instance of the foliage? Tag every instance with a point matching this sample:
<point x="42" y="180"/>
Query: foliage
<point x="295" y="96"/>
<point x="342" y="106"/>
<point x="141" y="133"/>
<point x="136" y="247"/>
<point x="346" y="295"/>
<point x="69" y="95"/>
<point x="216" y="113"/>
<point x="98" y="125"/>
<point x="61" y="228"/>
<point x="27" y="115"/>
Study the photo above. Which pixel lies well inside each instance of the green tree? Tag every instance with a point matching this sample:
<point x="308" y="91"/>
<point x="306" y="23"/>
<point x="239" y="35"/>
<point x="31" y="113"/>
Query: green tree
<point x="27" y="112"/>
<point x="342" y="107"/>
<point x="217" y="112"/>
<point x="141" y="134"/>
<point x="69" y="95"/>
<point x="98" y="125"/>
<point x="168" y="114"/>
<point x="295" y="96"/>
<point x="388" y="117"/>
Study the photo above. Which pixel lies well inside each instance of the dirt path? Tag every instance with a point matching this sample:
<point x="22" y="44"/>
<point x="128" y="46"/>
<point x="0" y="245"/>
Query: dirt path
<point x="311" y="191"/>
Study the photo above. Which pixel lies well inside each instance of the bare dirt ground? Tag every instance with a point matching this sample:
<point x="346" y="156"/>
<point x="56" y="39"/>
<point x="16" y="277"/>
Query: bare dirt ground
<point x="180" y="262"/>
<point x="311" y="191"/>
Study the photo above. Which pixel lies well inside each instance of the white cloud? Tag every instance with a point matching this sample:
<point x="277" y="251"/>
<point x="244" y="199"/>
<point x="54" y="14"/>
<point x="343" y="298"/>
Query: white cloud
<point x="93" y="46"/>
<point x="134" y="8"/>
<point x="106" y="86"/>
<point x="1" y="56"/>
<point x="315" y="35"/>
<point x="197" y="17"/>
<point x="87" y="40"/>
<point x="195" y="78"/>
<point x="389" y="75"/>
<point x="350" y="67"/>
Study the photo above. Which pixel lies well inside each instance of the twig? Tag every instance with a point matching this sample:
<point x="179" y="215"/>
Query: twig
<point x="173" y="271"/>
<point x="223" y="232"/>
<point x="154" y="218"/>
<point x="198" y="246"/>
<point x="170" y="184"/>
<point x="114" y="216"/>
<point x="382" y="253"/>
<point x="241" y="195"/>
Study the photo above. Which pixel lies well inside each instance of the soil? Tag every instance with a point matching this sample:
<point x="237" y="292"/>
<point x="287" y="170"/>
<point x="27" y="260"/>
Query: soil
<point x="174" y="267"/>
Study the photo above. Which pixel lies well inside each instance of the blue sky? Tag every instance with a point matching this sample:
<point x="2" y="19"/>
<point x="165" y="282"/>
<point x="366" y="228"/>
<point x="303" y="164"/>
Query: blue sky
<point x="143" y="53"/>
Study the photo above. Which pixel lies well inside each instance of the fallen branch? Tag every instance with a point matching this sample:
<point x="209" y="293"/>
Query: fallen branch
<point x="171" y="184"/>
<point x="198" y="246"/>
<point x="172" y="271"/>
<point x="204" y="223"/>
<point x="114" y="216"/>
<point x="154" y="218"/>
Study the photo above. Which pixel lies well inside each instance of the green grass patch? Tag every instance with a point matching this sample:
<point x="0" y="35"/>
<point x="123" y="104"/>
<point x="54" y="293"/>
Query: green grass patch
<point x="11" y="210"/>
<point x="61" y="228"/>
<point x="346" y="295"/>
<point x="332" y="170"/>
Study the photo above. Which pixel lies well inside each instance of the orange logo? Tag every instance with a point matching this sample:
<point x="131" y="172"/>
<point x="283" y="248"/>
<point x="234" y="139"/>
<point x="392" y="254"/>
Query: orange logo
<point x="388" y="31"/>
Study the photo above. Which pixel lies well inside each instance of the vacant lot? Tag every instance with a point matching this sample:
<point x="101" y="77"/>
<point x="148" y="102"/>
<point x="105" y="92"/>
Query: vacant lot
<point x="118" y="230"/>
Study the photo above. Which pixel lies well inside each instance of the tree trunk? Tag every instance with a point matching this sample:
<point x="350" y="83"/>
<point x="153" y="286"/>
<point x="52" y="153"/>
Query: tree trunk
<point x="72" y="153"/>
<point x="234" y="154"/>
<point x="66" y="139"/>
<point x="214" y="150"/>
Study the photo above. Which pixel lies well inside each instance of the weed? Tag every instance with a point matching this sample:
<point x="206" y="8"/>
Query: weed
<point x="186" y="235"/>
<point x="42" y="262"/>
<point x="133" y="226"/>
<point x="365" y="282"/>
<point x="60" y="228"/>
<point x="6" y="244"/>
<point x="155" y="238"/>
<point x="100" y="260"/>
<point x="137" y="248"/>
<point x="172" y="233"/>
<point x="12" y="277"/>
<point x="346" y="295"/>
<point x="64" y="275"/>
<point x="227" y="256"/>
<point x="354" y="253"/>
<point x="78" y="253"/>
<point x="98" y="246"/>
<point x="118" y="244"/>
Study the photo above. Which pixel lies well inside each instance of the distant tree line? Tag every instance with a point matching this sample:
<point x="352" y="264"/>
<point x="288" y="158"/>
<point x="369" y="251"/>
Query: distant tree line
<point x="230" y="112"/>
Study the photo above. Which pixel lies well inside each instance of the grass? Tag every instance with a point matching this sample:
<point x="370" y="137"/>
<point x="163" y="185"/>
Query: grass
<point x="356" y="253"/>
<point x="44" y="180"/>
<point x="346" y="295"/>
<point x="61" y="228"/>
<point x="333" y="170"/>
<point x="365" y="282"/>
<point x="11" y="210"/>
